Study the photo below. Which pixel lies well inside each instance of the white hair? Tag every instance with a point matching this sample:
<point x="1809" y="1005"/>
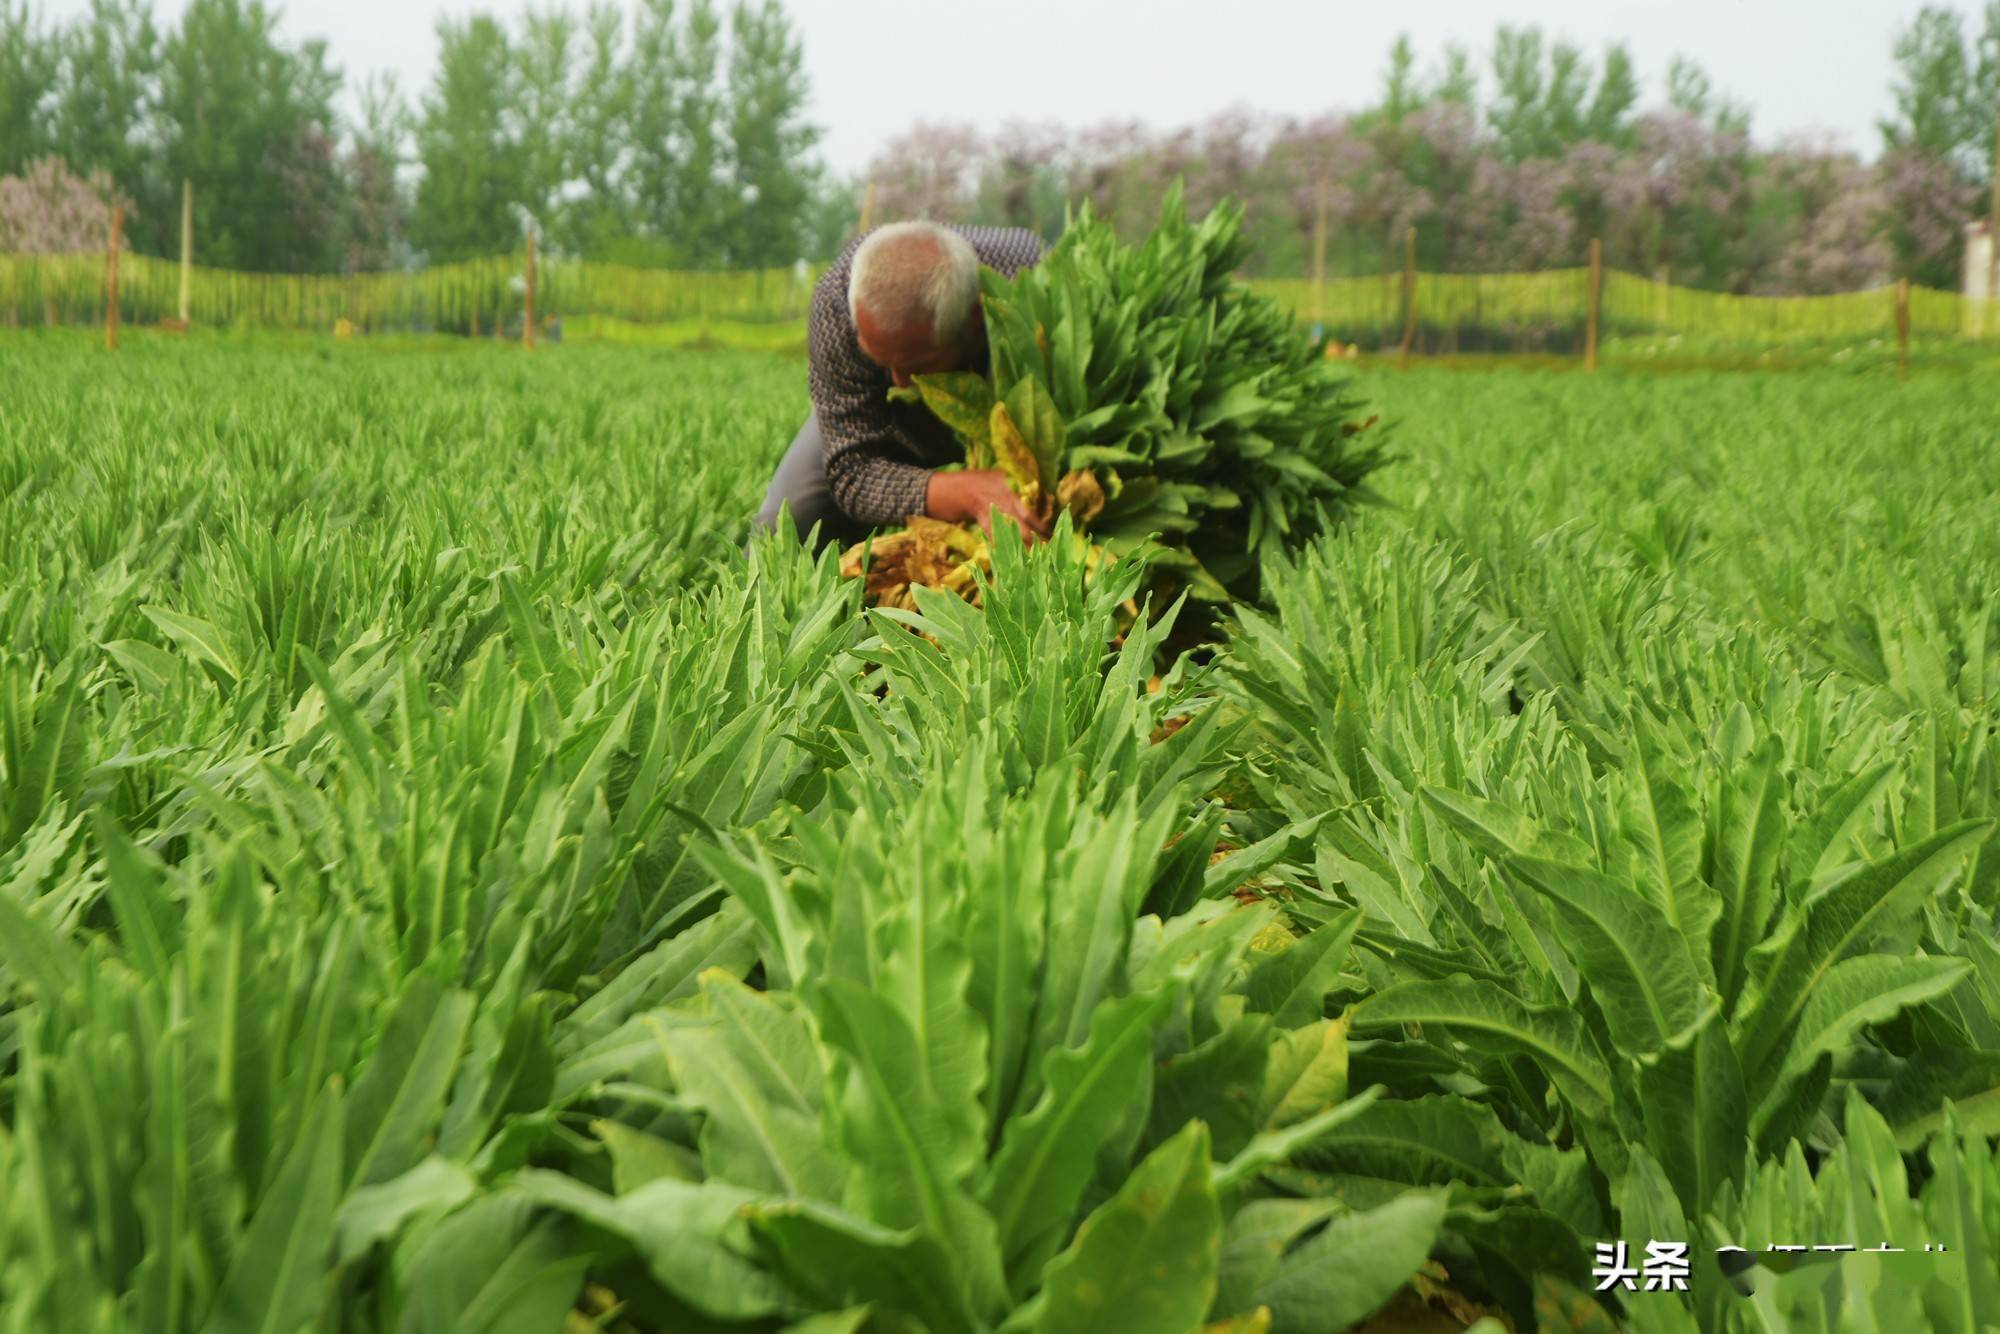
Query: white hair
<point x="915" y="272"/>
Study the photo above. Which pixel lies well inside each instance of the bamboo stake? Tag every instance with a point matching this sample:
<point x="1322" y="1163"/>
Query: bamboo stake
<point x="1596" y="304"/>
<point x="111" y="278"/>
<point x="1993" y="229"/>
<point x="1319" y="260"/>
<point x="1903" y="329"/>
<point x="1409" y="298"/>
<point x="867" y="208"/>
<point x="187" y="250"/>
<point x="528" y="323"/>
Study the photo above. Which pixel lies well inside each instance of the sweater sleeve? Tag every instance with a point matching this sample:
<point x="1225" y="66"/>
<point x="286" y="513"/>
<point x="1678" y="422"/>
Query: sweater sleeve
<point x="850" y="397"/>
<point x="850" y="393"/>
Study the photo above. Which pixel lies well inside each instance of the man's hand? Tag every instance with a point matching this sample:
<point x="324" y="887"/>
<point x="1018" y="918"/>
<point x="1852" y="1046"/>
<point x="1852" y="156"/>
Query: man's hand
<point x="971" y="497"/>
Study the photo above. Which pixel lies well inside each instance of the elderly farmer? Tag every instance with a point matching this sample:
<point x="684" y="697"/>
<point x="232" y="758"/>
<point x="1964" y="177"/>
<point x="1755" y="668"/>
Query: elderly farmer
<point x="903" y="301"/>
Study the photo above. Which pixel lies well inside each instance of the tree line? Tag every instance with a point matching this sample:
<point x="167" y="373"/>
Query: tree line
<point x="1516" y="166"/>
<point x="676" y="136"/>
<point x="675" y="133"/>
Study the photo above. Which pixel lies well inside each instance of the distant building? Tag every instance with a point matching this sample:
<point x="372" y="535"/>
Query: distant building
<point x="1982" y="279"/>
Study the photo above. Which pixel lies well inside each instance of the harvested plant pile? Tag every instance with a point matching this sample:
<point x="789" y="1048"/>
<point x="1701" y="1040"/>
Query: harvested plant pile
<point x="1145" y="392"/>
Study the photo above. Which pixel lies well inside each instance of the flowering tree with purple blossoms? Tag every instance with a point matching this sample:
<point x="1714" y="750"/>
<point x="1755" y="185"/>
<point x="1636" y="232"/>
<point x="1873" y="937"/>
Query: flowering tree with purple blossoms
<point x="932" y="172"/>
<point x="1561" y="157"/>
<point x="1827" y="207"/>
<point x="1926" y="202"/>
<point x="50" y="210"/>
<point x="1024" y="183"/>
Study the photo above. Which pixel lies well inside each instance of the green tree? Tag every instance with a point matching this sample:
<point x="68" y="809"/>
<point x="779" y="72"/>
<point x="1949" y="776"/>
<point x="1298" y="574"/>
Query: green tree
<point x="1935" y="111"/>
<point x="1609" y="119"/>
<point x="832" y="215"/>
<point x="1939" y="139"/>
<point x="29" y="62"/>
<point x="251" y="123"/>
<point x="544" y="95"/>
<point x="474" y="181"/>
<point x="1400" y="91"/>
<point x="1564" y="104"/>
<point x="1947" y="91"/>
<point x="705" y="206"/>
<point x="1691" y="92"/>
<point x="1986" y="102"/>
<point x="599" y="135"/>
<point x="1550" y="97"/>
<point x="768" y="137"/>
<point x="1516" y="112"/>
<point x="1022" y="182"/>
<point x="105" y="103"/>
<point x="1458" y="81"/>
<point x="646" y="83"/>
<point x="306" y="160"/>
<point x="1988" y="53"/>
<point x="680" y="196"/>
<point x="373" y="214"/>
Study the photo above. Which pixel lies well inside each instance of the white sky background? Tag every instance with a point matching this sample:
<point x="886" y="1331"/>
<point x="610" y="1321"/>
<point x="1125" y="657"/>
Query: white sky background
<point x="876" y="66"/>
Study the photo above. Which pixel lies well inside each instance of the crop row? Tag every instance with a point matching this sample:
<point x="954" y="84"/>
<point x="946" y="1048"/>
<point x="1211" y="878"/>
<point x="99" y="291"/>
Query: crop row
<point x="446" y="886"/>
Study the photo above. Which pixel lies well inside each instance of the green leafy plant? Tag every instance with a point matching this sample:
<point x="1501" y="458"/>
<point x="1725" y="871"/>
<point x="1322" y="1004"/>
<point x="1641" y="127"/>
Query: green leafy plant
<point x="1152" y="395"/>
<point x="444" y="885"/>
<point x="1000" y="1096"/>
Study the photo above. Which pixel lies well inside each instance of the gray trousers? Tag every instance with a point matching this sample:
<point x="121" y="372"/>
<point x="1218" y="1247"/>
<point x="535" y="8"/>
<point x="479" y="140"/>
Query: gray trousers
<point x="801" y="487"/>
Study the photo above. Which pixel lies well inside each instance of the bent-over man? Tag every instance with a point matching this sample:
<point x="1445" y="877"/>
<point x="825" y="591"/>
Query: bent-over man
<point x="901" y="301"/>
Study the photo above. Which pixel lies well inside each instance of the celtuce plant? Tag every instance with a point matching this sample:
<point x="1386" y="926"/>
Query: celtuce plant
<point x="445" y="886"/>
<point x="956" y="1114"/>
<point x="1147" y="393"/>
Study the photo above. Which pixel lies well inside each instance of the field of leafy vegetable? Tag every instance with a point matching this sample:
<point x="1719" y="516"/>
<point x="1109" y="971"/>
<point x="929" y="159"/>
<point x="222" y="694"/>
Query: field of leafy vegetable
<point x="445" y="886"/>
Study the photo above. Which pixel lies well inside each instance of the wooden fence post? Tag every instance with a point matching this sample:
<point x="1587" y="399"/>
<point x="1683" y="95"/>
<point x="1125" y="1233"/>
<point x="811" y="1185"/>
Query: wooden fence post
<point x="1993" y="218"/>
<point x="1903" y="329"/>
<point x="187" y="251"/>
<point x="111" y="277"/>
<point x="1993" y="233"/>
<point x="1596" y="305"/>
<point x="1319" y="260"/>
<point x="1409" y="298"/>
<point x="528" y="322"/>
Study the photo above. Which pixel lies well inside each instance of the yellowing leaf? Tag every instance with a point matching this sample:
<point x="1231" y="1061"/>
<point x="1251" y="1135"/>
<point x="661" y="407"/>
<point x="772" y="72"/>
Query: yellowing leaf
<point x="1081" y="495"/>
<point x="1145" y="1259"/>
<point x="1307" y="1073"/>
<point x="962" y="400"/>
<point x="1015" y="458"/>
<point x="929" y="553"/>
<point x="1034" y="413"/>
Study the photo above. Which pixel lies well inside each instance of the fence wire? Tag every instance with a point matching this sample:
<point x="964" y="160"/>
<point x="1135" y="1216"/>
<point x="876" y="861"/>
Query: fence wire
<point x="1454" y="312"/>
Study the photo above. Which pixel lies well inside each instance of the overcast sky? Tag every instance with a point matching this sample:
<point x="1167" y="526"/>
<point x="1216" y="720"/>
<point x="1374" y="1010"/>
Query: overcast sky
<point x="878" y="65"/>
